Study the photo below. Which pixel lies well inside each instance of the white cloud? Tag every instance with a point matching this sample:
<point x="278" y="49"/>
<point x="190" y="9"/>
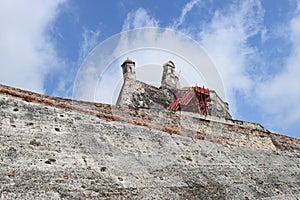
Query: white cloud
<point x="139" y="19"/>
<point x="187" y="8"/>
<point x="225" y="40"/>
<point x="90" y="39"/>
<point x="280" y="95"/>
<point x="27" y="52"/>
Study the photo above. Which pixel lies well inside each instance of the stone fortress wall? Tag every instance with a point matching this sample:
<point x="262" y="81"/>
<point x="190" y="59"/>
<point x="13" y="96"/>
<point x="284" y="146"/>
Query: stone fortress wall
<point x="215" y="129"/>
<point x="53" y="148"/>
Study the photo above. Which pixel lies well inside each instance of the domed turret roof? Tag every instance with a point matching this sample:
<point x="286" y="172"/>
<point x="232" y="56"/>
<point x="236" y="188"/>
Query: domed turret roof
<point x="169" y="63"/>
<point x="128" y="61"/>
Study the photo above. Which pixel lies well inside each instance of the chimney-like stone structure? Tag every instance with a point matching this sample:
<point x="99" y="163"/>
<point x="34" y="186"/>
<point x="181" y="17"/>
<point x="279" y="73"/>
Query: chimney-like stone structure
<point x="129" y="86"/>
<point x="169" y="78"/>
<point x="128" y="67"/>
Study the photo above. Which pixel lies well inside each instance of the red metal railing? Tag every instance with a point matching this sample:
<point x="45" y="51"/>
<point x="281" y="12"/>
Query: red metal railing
<point x="194" y="97"/>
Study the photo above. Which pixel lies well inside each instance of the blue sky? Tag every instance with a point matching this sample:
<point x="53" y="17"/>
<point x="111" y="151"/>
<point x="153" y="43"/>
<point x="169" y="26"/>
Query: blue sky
<point x="255" y="46"/>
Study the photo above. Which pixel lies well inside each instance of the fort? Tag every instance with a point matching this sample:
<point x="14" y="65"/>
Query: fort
<point x="155" y="143"/>
<point x="136" y="94"/>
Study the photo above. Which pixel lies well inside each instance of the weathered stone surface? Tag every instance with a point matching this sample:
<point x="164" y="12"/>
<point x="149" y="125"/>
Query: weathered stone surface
<point x="169" y="78"/>
<point x="136" y="94"/>
<point x="218" y="107"/>
<point x="53" y="148"/>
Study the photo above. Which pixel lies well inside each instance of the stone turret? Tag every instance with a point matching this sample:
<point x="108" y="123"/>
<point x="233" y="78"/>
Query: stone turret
<point x="169" y="78"/>
<point x="129" y="86"/>
<point x="128" y="67"/>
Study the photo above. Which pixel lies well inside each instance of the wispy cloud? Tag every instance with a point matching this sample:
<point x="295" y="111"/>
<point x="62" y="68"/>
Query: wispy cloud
<point x="139" y="19"/>
<point x="90" y="39"/>
<point x="225" y="38"/>
<point x="26" y="48"/>
<point x="280" y="95"/>
<point x="187" y="8"/>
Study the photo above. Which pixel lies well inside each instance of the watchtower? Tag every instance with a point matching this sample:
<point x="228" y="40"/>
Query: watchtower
<point x="128" y="67"/>
<point x="169" y="78"/>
